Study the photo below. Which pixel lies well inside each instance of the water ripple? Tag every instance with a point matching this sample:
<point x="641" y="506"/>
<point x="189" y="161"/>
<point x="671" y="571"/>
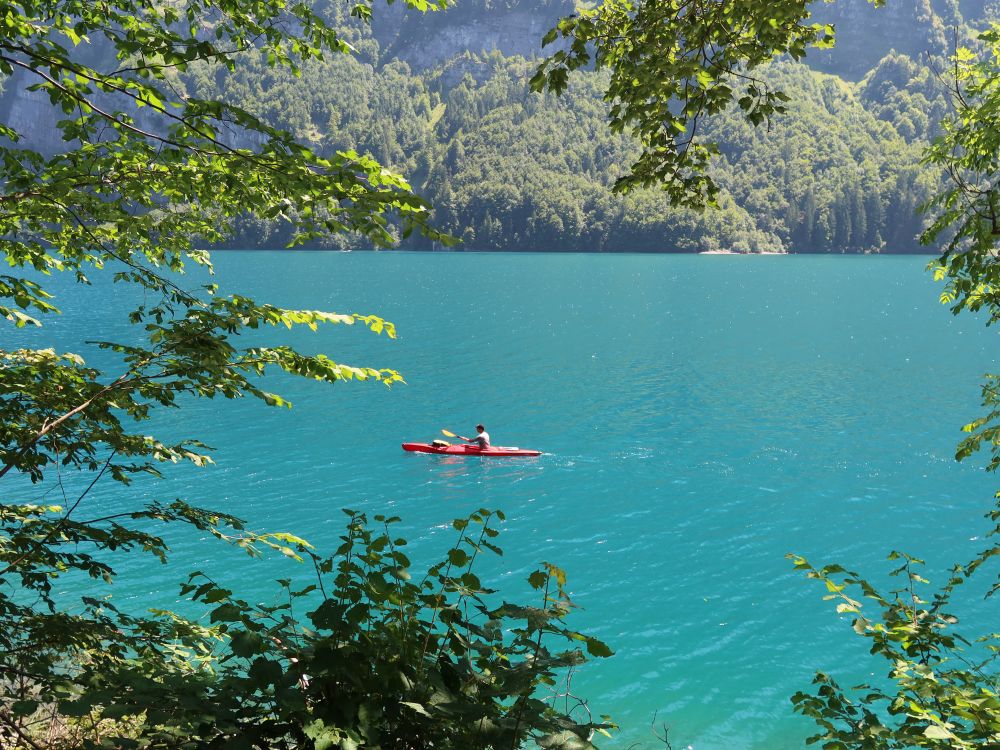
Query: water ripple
<point x="699" y="421"/>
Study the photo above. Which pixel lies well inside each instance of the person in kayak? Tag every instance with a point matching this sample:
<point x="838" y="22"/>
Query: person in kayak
<point x="482" y="438"/>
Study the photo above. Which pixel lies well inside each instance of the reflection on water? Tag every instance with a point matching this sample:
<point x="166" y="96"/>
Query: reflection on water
<point x="454" y="476"/>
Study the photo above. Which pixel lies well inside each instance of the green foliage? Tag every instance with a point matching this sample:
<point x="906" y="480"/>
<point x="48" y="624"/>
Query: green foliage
<point x="942" y="690"/>
<point x="506" y="169"/>
<point x="56" y="410"/>
<point x="149" y="172"/>
<point x="382" y="659"/>
<point x="146" y="175"/>
<point x="537" y="173"/>
<point x="388" y="660"/>
<point x="527" y="172"/>
<point x="673" y="63"/>
<point x="943" y="687"/>
<point x="828" y="176"/>
<point x="985" y="431"/>
<point x="76" y="660"/>
<point x="908" y="95"/>
<point x="966" y="215"/>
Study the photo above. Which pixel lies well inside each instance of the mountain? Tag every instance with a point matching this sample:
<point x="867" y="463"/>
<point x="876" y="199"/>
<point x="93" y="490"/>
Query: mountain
<point x="865" y="34"/>
<point x="512" y="27"/>
<point x="443" y="98"/>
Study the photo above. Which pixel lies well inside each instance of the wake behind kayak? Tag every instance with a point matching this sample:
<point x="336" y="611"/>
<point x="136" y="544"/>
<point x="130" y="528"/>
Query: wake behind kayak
<point x="494" y="451"/>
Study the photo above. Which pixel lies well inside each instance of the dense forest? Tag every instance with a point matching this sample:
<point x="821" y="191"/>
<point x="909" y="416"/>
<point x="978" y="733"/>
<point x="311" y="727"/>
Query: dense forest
<point x="506" y="168"/>
<point x="444" y="99"/>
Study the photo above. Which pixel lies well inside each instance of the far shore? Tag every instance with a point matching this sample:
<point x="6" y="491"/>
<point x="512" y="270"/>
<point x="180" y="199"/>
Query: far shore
<point x="470" y="251"/>
<point x="733" y="252"/>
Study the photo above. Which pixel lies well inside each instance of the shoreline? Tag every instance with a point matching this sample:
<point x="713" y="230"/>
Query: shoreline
<point x="733" y="252"/>
<point x="424" y="251"/>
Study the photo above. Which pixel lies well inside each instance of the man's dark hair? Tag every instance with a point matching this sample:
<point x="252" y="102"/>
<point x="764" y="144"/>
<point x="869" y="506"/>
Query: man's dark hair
<point x="480" y="427"/>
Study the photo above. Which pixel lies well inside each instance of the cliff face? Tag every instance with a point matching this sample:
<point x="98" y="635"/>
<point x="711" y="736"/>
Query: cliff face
<point x="514" y="27"/>
<point x="30" y="114"/>
<point x="917" y="28"/>
<point x="865" y="34"/>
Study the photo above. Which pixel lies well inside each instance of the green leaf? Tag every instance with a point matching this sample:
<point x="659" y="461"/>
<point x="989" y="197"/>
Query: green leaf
<point x="415" y="707"/>
<point x="597" y="647"/>
<point x="23" y="707"/>
<point x="226" y="613"/>
<point x="264" y="672"/>
<point x="245" y="643"/>
<point x="938" y="732"/>
<point x="322" y="735"/>
<point x="538" y="579"/>
<point x="564" y="740"/>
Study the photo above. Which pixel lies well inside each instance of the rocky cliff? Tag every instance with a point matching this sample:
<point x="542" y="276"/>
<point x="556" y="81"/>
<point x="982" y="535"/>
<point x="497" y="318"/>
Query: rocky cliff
<point x="512" y="27"/>
<point x="865" y="34"/>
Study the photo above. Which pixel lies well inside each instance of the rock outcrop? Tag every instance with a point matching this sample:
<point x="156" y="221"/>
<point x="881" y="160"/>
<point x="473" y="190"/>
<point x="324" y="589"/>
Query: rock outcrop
<point x="515" y="27"/>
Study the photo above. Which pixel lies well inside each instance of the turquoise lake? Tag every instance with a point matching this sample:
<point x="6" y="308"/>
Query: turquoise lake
<point x="700" y="417"/>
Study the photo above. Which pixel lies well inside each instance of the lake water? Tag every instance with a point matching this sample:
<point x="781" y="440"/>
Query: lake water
<point x="700" y="417"/>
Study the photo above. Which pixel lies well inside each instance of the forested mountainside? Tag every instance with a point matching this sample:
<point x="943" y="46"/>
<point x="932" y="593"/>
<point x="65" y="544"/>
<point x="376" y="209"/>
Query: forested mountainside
<point x="509" y="169"/>
<point x="506" y="168"/>
<point x="444" y="98"/>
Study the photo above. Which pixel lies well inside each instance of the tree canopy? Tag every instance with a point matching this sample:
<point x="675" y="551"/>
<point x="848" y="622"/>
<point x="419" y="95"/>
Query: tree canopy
<point x="147" y="176"/>
<point x="673" y="63"/>
<point x="942" y="680"/>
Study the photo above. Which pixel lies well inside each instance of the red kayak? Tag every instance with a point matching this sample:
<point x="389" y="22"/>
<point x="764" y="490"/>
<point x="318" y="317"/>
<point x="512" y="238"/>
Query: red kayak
<point x="496" y="451"/>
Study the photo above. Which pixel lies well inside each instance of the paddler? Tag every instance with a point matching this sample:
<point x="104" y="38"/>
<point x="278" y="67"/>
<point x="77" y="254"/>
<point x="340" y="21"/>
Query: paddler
<point x="482" y="438"/>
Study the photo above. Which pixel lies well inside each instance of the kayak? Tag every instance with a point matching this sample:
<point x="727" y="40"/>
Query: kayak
<point x="496" y="451"/>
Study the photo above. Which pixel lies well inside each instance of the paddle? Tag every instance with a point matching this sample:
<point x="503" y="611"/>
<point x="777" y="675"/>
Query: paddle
<point x="449" y="433"/>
